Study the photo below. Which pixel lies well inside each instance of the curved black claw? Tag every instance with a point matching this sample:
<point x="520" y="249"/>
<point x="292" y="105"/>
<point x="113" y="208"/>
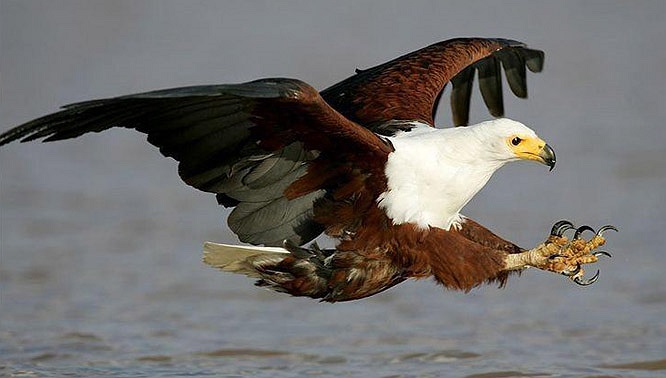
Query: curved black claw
<point x="587" y="282"/>
<point x="572" y="273"/>
<point x="606" y="228"/>
<point x="602" y="253"/>
<point x="582" y="229"/>
<point x="560" y="227"/>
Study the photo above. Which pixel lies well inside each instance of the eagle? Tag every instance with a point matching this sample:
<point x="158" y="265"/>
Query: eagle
<point x="361" y="162"/>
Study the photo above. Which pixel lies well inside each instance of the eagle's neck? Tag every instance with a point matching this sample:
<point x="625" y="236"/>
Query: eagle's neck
<point x="433" y="173"/>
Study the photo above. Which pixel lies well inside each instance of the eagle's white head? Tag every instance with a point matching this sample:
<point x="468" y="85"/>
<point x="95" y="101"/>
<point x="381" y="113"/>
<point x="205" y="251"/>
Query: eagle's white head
<point x="505" y="140"/>
<point x="433" y="173"/>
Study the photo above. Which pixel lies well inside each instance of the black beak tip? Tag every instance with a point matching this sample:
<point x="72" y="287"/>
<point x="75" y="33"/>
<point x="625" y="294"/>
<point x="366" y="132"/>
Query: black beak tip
<point x="548" y="154"/>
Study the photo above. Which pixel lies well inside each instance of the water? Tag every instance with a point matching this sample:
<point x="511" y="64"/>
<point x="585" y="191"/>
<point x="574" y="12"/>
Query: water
<point x="101" y="272"/>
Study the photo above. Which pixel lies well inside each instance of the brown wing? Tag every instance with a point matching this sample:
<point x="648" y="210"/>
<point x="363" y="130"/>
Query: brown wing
<point x="409" y="87"/>
<point x="249" y="143"/>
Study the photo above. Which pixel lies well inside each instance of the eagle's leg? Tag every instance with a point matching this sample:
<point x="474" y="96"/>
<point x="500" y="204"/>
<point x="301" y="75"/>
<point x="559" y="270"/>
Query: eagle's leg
<point x="561" y="255"/>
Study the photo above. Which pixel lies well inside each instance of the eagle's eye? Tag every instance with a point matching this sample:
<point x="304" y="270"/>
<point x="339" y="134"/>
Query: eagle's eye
<point x="516" y="141"/>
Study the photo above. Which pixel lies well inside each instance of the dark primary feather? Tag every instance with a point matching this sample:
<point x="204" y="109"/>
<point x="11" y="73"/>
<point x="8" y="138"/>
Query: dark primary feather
<point x="490" y="84"/>
<point x="226" y="143"/>
<point x="514" y="58"/>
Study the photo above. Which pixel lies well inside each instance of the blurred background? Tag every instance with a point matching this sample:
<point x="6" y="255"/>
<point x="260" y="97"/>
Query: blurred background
<point x="100" y="242"/>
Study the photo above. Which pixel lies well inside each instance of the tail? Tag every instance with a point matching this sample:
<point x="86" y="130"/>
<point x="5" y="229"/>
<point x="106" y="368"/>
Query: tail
<point x="293" y="270"/>
<point x="326" y="274"/>
<point x="242" y="259"/>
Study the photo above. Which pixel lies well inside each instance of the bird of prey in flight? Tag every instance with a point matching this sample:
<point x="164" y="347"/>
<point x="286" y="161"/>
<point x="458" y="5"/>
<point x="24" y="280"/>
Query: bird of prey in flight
<point x="360" y="161"/>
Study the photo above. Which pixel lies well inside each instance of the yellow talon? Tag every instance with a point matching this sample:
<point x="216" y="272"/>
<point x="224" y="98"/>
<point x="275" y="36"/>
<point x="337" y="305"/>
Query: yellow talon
<point x="564" y="256"/>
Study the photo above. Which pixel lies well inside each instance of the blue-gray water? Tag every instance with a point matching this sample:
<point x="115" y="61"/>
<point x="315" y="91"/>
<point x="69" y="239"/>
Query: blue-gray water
<point x="100" y="270"/>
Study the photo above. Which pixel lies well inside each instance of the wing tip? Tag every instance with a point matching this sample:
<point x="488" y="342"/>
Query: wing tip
<point x="534" y="58"/>
<point x="506" y="42"/>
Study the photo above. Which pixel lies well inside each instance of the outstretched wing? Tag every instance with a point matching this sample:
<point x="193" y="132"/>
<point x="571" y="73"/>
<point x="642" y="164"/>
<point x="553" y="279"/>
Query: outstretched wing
<point x="248" y="143"/>
<point x="409" y="87"/>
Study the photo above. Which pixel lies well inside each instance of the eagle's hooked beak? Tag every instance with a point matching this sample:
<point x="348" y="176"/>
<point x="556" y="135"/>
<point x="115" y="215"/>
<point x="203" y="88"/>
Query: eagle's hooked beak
<point x="547" y="156"/>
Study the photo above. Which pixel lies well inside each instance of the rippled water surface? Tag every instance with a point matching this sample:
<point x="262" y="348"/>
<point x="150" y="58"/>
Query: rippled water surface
<point x="101" y="272"/>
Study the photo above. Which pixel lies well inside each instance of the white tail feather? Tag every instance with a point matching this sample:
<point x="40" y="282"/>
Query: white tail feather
<point x="240" y="259"/>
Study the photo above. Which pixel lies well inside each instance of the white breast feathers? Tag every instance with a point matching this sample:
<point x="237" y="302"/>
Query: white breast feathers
<point x="433" y="173"/>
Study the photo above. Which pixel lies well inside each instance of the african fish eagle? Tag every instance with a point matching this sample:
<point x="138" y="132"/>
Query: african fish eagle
<point x="360" y="161"/>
